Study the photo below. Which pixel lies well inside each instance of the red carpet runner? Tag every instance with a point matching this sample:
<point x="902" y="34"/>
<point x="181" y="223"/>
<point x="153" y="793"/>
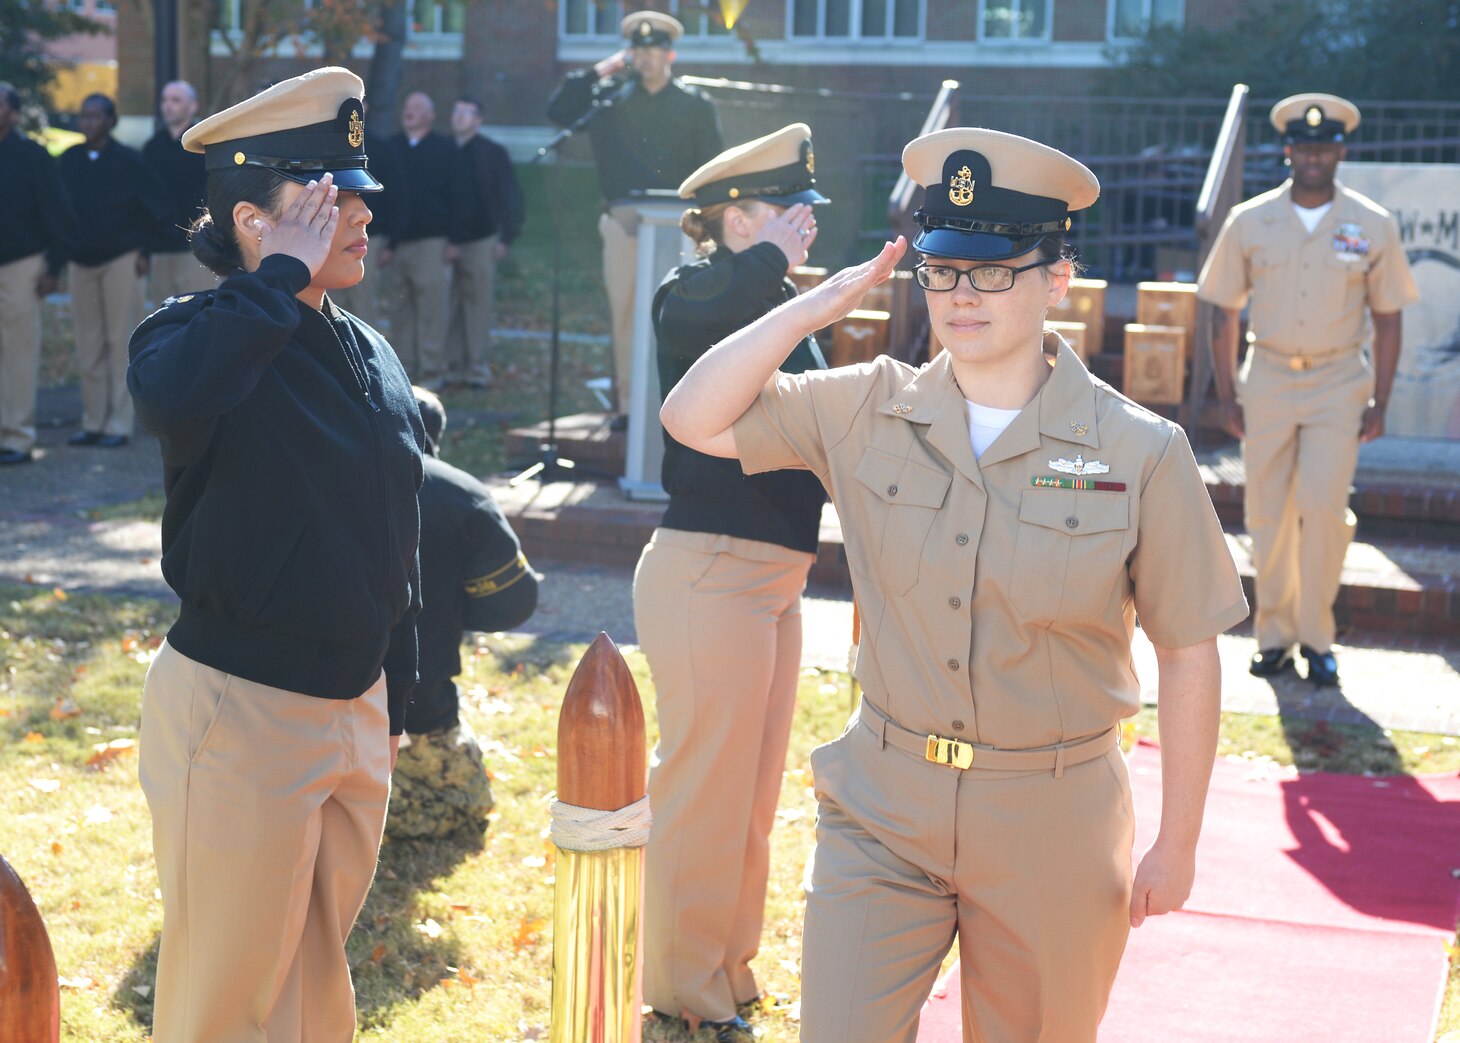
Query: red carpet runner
<point x="1321" y="910"/>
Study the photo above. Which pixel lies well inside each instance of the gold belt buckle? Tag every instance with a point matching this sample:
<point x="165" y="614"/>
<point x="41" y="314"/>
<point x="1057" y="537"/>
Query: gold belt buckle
<point x="949" y="751"/>
<point x="1300" y="363"/>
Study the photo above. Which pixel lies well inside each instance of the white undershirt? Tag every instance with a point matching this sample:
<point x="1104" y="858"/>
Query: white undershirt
<point x="985" y="424"/>
<point x="1311" y="216"/>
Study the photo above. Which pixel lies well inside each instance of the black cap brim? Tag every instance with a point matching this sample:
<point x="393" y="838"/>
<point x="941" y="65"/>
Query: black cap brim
<point x="973" y="246"/>
<point x="347" y="179"/>
<point x="809" y="196"/>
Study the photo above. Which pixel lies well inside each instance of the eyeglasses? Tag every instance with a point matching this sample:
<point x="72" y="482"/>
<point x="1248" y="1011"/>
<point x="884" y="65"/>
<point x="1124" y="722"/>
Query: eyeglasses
<point x="989" y="278"/>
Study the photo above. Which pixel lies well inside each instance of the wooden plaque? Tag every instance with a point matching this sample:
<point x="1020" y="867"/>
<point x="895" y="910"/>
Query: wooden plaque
<point x="1155" y="363"/>
<point x="1085" y="302"/>
<point x="1076" y="333"/>
<point x="860" y="337"/>
<point x="1167" y="304"/>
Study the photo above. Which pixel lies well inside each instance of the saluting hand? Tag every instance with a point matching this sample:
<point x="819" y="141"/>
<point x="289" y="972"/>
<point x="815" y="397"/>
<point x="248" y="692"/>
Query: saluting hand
<point x="306" y="229"/>
<point x="793" y="231"/>
<point x="839" y="295"/>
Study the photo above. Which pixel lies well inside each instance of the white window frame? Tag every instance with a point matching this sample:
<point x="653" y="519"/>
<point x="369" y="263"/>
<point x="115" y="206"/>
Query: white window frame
<point x="1146" y="6"/>
<point x="606" y="23"/>
<point x="1017" y="41"/>
<point x="854" y="24"/>
<point x="429" y="44"/>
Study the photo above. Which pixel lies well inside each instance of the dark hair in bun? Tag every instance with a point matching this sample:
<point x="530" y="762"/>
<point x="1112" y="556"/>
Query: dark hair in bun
<point x="213" y="240"/>
<point x="706" y="227"/>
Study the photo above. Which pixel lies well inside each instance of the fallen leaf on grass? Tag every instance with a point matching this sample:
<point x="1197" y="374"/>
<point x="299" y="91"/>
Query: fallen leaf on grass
<point x="81" y="981"/>
<point x="56" y="847"/>
<point x="97" y="814"/>
<point x="46" y="785"/>
<point x="378" y="953"/>
<point x="104" y="754"/>
<point x="4" y="712"/>
<point x="34" y="737"/>
<point x="531" y="861"/>
<point x="65" y="709"/>
<point x="59" y="595"/>
<point x="529" y="930"/>
<point x="142" y="990"/>
<point x="530" y="1032"/>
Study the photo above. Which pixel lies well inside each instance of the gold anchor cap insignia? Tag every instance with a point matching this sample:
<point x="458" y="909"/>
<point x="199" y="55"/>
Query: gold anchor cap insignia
<point x="1079" y="466"/>
<point x="960" y="189"/>
<point x="810" y="162"/>
<point x="1079" y="427"/>
<point x="645" y="28"/>
<point x="1314" y="115"/>
<point x="357" y="130"/>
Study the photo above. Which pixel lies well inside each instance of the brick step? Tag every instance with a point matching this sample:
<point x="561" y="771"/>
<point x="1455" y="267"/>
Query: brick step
<point x="1388" y="586"/>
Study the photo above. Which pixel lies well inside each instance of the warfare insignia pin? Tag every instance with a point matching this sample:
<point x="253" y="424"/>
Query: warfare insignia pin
<point x="1079" y="427"/>
<point x="902" y="407"/>
<point x="960" y="189"/>
<point x="357" y="130"/>
<point x="1079" y="466"/>
<point x="1313" y="116"/>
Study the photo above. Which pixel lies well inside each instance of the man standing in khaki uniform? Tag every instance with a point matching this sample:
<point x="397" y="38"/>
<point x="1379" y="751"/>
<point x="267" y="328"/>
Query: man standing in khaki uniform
<point x="35" y="226"/>
<point x="1314" y="259"/>
<point x="172" y="270"/>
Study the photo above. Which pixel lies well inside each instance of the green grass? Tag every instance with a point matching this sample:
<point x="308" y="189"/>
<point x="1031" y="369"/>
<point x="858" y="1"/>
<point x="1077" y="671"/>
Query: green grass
<point x="455" y="942"/>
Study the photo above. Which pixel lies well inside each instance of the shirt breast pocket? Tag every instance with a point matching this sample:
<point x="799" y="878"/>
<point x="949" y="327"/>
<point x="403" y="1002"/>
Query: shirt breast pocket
<point x="1068" y="553"/>
<point x="1269" y="259"/>
<point x="904" y="496"/>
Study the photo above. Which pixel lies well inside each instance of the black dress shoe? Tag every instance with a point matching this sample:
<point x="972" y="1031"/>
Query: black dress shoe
<point x="1271" y="661"/>
<point x="1322" y="666"/>
<point x="112" y="441"/>
<point x="736" y="1030"/>
<point x="84" y="438"/>
<point x="16" y="456"/>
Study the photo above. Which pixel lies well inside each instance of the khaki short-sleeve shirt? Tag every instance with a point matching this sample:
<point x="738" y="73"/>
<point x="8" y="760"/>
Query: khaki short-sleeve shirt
<point x="995" y="610"/>
<point x="1309" y="293"/>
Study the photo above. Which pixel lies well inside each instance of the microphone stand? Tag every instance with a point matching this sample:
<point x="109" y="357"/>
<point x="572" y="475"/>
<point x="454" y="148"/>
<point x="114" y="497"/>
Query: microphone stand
<point x="550" y="466"/>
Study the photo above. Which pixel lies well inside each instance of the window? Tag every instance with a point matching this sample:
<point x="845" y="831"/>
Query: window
<point x="1015" y="20"/>
<point x="578" y="18"/>
<point x="856" y="19"/>
<point x="1131" y="18"/>
<point x="436" y="18"/>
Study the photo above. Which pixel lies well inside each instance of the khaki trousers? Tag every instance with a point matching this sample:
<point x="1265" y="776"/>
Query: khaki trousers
<point x="473" y="300"/>
<point x="20" y="351"/>
<point x="176" y="275"/>
<point x="106" y="306"/>
<point x="719" y="619"/>
<point x="365" y="300"/>
<point x="620" y="231"/>
<point x="1030" y="871"/>
<point x="418" y="304"/>
<point x="1300" y="453"/>
<point x="267" y="810"/>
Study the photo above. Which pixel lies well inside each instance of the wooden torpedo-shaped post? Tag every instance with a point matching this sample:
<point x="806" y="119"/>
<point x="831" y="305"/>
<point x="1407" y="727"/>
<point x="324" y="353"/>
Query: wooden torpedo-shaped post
<point x="600" y="825"/>
<point x="30" y="997"/>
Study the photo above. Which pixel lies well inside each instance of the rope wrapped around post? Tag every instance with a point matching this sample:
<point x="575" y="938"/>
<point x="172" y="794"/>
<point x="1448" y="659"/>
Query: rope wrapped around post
<point x="600" y="824"/>
<point x="30" y="995"/>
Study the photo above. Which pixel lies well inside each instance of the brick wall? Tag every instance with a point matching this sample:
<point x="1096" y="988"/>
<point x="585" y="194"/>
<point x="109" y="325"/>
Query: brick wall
<point x="134" y="58"/>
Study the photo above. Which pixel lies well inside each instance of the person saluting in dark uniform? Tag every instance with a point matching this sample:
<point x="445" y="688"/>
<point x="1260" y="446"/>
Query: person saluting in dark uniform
<point x="651" y="131"/>
<point x="291" y="451"/>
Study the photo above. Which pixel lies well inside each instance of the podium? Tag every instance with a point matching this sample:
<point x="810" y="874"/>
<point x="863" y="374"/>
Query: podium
<point x="662" y="247"/>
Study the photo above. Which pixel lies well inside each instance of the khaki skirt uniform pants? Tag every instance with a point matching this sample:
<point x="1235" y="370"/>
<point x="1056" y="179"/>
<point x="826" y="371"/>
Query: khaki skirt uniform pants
<point x="1030" y="870"/>
<point x="20" y="351"/>
<point x="418" y="302"/>
<point x="619" y="228"/>
<point x="106" y="306"/>
<point x="1300" y="452"/>
<point x="719" y="619"/>
<point x="267" y="811"/>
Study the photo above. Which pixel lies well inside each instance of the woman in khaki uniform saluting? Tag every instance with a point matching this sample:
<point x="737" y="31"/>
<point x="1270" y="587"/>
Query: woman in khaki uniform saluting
<point x="1007" y="518"/>
<point x="717" y="599"/>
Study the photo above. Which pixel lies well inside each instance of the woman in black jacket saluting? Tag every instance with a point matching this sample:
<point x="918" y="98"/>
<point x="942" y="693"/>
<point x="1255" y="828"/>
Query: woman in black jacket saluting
<point x="717" y="600"/>
<point x="291" y="448"/>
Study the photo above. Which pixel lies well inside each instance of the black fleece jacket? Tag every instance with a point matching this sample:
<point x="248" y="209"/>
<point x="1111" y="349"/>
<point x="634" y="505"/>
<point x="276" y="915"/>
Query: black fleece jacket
<point x="696" y="305"/>
<point x="291" y="452"/>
